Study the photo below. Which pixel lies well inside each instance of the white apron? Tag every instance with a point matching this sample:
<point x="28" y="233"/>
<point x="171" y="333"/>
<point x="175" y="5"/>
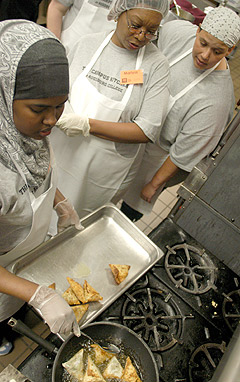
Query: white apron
<point x="154" y="156"/>
<point x="42" y="207"/>
<point x="90" y="19"/>
<point x="90" y="170"/>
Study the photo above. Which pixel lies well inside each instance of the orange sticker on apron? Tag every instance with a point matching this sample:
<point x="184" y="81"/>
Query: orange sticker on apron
<point x="128" y="77"/>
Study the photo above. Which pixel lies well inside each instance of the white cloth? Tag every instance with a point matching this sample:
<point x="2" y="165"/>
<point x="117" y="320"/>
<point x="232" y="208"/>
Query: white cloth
<point x="84" y="17"/>
<point x="42" y="207"/>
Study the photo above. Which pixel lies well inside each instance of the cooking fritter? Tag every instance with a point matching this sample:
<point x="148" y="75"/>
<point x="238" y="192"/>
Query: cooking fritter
<point x="101" y="355"/>
<point x="75" y="366"/>
<point x="113" y="369"/>
<point x="92" y="374"/>
<point x="130" y="373"/>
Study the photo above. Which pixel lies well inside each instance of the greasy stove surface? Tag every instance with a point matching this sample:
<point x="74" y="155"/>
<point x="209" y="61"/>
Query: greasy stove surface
<point x="38" y="366"/>
<point x="186" y="309"/>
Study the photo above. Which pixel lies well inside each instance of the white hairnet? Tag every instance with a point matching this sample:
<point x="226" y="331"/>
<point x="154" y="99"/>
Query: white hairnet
<point x="120" y="6"/>
<point x="224" y="24"/>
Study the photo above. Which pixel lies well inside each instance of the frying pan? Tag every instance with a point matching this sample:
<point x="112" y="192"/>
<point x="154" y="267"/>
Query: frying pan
<point x="101" y="332"/>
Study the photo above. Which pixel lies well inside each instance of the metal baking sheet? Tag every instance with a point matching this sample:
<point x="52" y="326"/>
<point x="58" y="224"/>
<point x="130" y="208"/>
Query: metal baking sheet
<point x="108" y="237"/>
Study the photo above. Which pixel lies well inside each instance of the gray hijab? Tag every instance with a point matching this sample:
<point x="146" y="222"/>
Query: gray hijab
<point x="31" y="54"/>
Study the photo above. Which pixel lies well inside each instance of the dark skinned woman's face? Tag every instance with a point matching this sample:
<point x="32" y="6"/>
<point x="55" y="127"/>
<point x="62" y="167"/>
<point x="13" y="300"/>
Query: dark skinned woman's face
<point x="146" y="20"/>
<point x="35" y="118"/>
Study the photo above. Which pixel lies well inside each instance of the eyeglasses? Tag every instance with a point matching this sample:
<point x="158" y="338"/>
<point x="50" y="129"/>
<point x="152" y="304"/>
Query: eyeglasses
<point x="136" y="29"/>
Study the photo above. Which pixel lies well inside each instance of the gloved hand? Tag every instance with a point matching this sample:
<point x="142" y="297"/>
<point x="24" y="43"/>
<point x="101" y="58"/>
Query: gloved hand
<point x="73" y="124"/>
<point x="67" y="216"/>
<point x="54" y="310"/>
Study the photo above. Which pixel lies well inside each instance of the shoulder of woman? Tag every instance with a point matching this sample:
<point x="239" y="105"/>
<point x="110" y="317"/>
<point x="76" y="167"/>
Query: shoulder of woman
<point x="154" y="55"/>
<point x="175" y="30"/>
<point x="88" y="43"/>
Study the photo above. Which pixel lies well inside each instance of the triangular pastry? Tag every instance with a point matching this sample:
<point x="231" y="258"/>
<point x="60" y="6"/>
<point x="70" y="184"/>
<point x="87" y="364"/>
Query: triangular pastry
<point x="101" y="355"/>
<point x="120" y="271"/>
<point x="79" y="311"/>
<point x="70" y="297"/>
<point x="113" y="369"/>
<point x="130" y="373"/>
<point x="52" y="286"/>
<point x="92" y="373"/>
<point x="77" y="289"/>
<point x="90" y="293"/>
<point x="75" y="365"/>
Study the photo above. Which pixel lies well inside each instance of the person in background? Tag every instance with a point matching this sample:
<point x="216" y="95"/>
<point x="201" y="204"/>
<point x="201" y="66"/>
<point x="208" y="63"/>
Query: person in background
<point x="110" y="119"/>
<point x="31" y="101"/>
<point x="19" y="9"/>
<point x="201" y="105"/>
<point x="69" y="20"/>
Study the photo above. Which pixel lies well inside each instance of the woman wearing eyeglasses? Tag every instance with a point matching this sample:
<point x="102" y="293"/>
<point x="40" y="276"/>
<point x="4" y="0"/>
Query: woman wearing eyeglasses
<point x="118" y="101"/>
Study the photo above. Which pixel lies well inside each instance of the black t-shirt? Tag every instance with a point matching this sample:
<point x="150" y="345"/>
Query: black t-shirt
<point x="19" y="9"/>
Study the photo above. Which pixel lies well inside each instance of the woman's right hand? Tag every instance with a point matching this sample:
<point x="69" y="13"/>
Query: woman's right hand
<point x="54" y="310"/>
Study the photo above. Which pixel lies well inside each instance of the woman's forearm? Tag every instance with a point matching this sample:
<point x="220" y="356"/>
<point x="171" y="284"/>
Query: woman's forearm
<point x="16" y="286"/>
<point x="117" y="132"/>
<point x="55" y="14"/>
<point x="165" y="172"/>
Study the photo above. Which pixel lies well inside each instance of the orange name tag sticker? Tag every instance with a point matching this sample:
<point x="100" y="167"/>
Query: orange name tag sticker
<point x="128" y="77"/>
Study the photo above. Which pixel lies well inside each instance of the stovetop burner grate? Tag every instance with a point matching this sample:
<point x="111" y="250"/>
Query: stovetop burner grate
<point x="155" y="317"/>
<point x="204" y="361"/>
<point x="190" y="268"/>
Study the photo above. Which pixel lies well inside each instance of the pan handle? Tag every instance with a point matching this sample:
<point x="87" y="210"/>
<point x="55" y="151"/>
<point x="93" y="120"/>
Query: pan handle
<point x="19" y="327"/>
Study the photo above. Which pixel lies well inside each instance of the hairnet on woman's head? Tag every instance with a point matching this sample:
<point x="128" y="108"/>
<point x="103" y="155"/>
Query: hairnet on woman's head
<point x="120" y="6"/>
<point x="224" y="24"/>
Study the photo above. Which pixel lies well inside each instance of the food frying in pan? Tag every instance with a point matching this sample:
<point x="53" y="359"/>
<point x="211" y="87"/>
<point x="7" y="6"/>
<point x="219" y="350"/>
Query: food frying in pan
<point x="75" y="366"/>
<point x="114" y="369"/>
<point x="93" y="364"/>
<point x="100" y="355"/>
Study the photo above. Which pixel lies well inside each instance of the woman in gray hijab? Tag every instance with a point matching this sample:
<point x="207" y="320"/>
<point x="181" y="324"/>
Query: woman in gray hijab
<point x="34" y="86"/>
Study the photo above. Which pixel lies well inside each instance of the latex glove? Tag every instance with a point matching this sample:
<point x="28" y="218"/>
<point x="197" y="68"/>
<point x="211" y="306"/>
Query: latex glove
<point x="67" y="216"/>
<point x="73" y="124"/>
<point x="54" y="310"/>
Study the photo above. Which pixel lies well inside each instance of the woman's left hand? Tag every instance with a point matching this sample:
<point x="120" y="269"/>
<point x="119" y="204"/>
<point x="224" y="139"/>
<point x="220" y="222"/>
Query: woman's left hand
<point x="67" y="216"/>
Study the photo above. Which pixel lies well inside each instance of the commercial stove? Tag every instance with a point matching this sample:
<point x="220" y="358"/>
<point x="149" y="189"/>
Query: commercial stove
<point x="186" y="308"/>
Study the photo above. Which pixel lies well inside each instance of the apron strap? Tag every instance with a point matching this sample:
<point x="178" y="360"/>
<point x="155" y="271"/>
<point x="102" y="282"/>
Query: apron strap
<point x="128" y="92"/>
<point x="194" y="82"/>
<point x="98" y="52"/>
<point x="179" y="58"/>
